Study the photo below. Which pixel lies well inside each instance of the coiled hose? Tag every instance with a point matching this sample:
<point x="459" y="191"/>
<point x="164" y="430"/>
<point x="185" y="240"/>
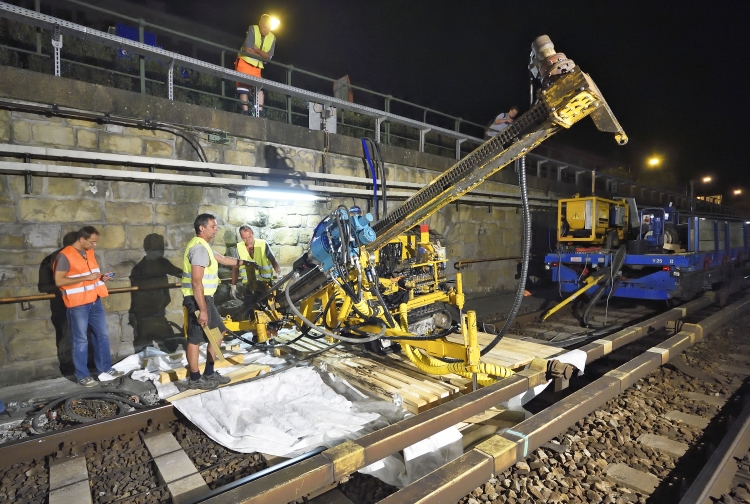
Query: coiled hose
<point x="526" y="252"/>
<point x="323" y="330"/>
<point x="487" y="374"/>
<point x="120" y="398"/>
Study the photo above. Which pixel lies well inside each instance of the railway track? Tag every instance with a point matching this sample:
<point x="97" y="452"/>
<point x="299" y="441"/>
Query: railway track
<point x="122" y="462"/>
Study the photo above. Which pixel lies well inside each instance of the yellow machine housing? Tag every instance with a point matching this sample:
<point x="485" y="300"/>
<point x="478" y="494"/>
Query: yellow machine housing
<point x="592" y="220"/>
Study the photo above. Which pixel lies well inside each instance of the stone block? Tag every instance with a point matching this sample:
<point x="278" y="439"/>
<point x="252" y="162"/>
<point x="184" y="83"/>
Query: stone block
<point x="631" y="478"/>
<point x="4" y="125"/>
<point x="213" y="155"/>
<point x="187" y="194"/>
<point x="253" y="216"/>
<point x="7" y="312"/>
<point x="34" y="310"/>
<point x="16" y="372"/>
<point x="21" y="131"/>
<point x="176" y="214"/>
<point x="244" y="144"/>
<point x="71" y="470"/>
<point x="130" y="191"/>
<point x="77" y="492"/>
<point x="240" y="158"/>
<point x="688" y="419"/>
<point x="288" y="254"/>
<point x="29" y="340"/>
<point x="62" y="186"/>
<point x="135" y="236"/>
<point x="51" y="134"/>
<point x="704" y="398"/>
<point x="23" y="258"/>
<point x="129" y="213"/>
<point x="277" y="220"/>
<point x="120" y="144"/>
<point x="179" y="236"/>
<point x="50" y="210"/>
<point x="11" y="236"/>
<point x="11" y="277"/>
<point x="148" y="133"/>
<point x="305" y="235"/>
<point x="285" y="236"/>
<point x="112" y="236"/>
<point x="218" y="211"/>
<point x="82" y="123"/>
<point x="155" y="148"/>
<point x="37" y="117"/>
<point x="86" y="139"/>
<point x="663" y="444"/>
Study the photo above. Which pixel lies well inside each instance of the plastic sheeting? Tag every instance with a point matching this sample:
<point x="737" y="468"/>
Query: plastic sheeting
<point x="574" y="357"/>
<point x="282" y="415"/>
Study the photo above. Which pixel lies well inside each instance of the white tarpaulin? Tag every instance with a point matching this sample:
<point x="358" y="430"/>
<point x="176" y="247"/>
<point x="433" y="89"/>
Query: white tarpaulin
<point x="281" y="415"/>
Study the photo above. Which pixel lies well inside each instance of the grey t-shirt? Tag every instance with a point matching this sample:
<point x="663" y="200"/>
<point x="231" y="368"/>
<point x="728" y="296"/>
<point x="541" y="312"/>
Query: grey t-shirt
<point x="62" y="264"/>
<point x="250" y="41"/>
<point x="198" y="255"/>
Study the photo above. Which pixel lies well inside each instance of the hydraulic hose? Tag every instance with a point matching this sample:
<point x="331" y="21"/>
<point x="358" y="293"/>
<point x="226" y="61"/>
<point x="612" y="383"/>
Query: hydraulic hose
<point x="485" y="375"/>
<point x="120" y="398"/>
<point x="374" y="176"/>
<point x="323" y="330"/>
<point x="607" y="281"/>
<point x="526" y="252"/>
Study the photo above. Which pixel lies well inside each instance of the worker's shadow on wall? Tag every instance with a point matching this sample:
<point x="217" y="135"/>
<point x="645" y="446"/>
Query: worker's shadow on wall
<point x="273" y="158"/>
<point x="148" y="307"/>
<point x="59" y="319"/>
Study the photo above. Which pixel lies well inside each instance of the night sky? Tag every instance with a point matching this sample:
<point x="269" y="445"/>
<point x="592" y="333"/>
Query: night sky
<point x="674" y="73"/>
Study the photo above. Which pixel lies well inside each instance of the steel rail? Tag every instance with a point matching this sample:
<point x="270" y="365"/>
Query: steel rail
<point x="331" y="465"/>
<point x="45" y="444"/>
<point x="335" y="463"/>
<point x="716" y="477"/>
<point x="496" y="454"/>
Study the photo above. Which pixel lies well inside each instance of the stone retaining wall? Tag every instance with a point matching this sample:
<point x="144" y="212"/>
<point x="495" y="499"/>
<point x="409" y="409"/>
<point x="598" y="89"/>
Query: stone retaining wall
<point x="142" y="238"/>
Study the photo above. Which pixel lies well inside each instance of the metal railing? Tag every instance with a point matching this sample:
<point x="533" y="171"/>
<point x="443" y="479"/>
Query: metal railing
<point x="382" y="118"/>
<point x="545" y="168"/>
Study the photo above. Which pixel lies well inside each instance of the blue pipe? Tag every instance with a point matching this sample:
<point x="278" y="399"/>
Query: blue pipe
<point x="374" y="178"/>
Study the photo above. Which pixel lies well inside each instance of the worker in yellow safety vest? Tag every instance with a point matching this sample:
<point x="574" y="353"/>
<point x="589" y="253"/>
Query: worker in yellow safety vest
<point x="200" y="280"/>
<point x="257" y="279"/>
<point x="260" y="42"/>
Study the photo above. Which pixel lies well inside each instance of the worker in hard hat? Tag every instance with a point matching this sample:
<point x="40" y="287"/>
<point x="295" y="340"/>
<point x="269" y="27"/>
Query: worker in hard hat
<point x="255" y="280"/>
<point x="261" y="42"/>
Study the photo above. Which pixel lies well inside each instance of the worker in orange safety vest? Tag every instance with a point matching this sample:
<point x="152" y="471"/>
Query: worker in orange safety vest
<point x="81" y="282"/>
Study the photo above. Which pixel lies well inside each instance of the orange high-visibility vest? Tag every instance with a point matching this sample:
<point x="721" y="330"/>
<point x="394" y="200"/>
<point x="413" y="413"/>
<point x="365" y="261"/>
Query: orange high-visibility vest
<point x="85" y="291"/>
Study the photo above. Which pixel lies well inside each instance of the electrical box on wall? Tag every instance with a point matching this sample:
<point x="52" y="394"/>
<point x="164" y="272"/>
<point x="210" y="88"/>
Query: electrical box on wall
<point x="322" y="117"/>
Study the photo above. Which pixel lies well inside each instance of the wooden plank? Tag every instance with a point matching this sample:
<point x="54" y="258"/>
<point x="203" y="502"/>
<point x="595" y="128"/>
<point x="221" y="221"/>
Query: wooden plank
<point x="181" y="373"/>
<point x="394" y="385"/>
<point x="414" y="374"/>
<point x="246" y="372"/>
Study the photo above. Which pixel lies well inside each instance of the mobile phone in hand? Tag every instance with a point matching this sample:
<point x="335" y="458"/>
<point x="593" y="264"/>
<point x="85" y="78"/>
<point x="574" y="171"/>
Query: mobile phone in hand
<point x="108" y="275"/>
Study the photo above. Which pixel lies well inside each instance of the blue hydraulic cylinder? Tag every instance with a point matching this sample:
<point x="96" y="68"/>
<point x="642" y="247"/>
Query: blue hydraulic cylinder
<point x="326" y="245"/>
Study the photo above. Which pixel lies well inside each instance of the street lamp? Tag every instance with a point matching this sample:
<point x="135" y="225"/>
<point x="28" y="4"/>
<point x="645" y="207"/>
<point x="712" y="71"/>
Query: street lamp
<point x="737" y="192"/>
<point x="705" y="180"/>
<point x="654" y="161"/>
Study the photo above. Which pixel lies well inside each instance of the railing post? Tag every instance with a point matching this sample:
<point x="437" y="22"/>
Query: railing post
<point x="141" y="59"/>
<point x="458" y="144"/>
<point x="170" y="81"/>
<point x="223" y="83"/>
<point x="388" y="124"/>
<point x="289" y="71"/>
<point x="38" y="8"/>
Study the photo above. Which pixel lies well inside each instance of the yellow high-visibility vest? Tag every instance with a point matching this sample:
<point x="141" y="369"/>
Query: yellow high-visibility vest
<point x="267" y="44"/>
<point x="210" y="273"/>
<point x="265" y="271"/>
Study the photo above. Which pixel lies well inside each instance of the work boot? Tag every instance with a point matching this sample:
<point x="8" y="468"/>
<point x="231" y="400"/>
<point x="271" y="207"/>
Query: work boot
<point x="245" y="112"/>
<point x="202" y="383"/>
<point x="87" y="381"/>
<point x="218" y="378"/>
